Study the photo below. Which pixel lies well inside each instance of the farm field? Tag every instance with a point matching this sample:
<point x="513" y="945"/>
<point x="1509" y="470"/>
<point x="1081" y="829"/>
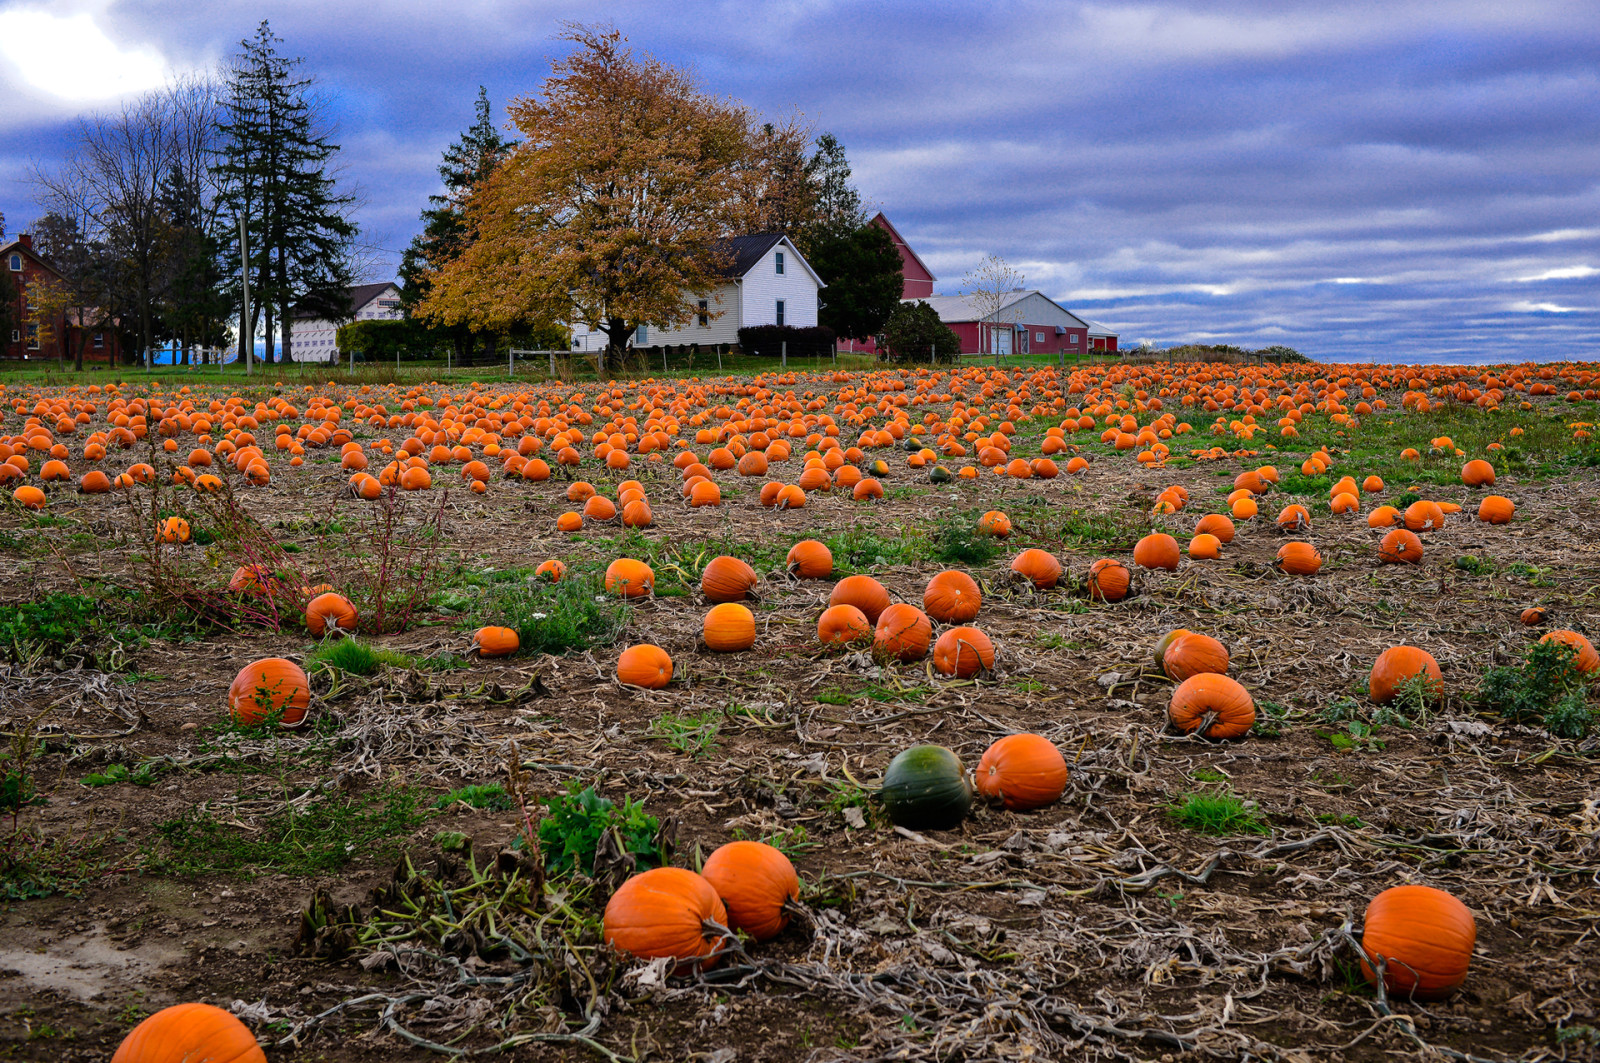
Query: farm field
<point x="416" y="860"/>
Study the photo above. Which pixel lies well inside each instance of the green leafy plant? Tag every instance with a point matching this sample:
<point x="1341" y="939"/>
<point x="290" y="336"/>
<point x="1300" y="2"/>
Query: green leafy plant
<point x="556" y="618"/>
<point x="1474" y="565"/>
<point x="490" y="797"/>
<point x="1217" y="813"/>
<point x="1546" y="689"/>
<point x="144" y="774"/>
<point x="790" y="841"/>
<point x="691" y="733"/>
<point x="860" y="549"/>
<point x="570" y="834"/>
<point x="957" y="541"/>
<point x="56" y="625"/>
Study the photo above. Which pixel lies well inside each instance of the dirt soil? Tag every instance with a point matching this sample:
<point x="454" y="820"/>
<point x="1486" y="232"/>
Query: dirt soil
<point x="1098" y="927"/>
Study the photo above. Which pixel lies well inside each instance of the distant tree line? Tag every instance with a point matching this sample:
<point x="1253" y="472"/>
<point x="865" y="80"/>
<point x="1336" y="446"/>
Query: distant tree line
<point x="143" y="216"/>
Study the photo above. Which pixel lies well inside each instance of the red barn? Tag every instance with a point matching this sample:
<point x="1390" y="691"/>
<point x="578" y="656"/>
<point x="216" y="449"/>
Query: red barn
<point x="1027" y="322"/>
<point x="24" y="267"/>
<point x="918" y="277"/>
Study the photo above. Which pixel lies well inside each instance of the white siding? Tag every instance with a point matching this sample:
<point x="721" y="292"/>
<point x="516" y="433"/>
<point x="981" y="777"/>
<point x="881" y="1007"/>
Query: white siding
<point x="723" y="329"/>
<point x="315" y="338"/>
<point x="764" y="286"/>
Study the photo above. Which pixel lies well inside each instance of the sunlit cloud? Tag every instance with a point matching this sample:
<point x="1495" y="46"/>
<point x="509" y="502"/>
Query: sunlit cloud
<point x="1562" y="274"/>
<point x="71" y="58"/>
<point x="1526" y="307"/>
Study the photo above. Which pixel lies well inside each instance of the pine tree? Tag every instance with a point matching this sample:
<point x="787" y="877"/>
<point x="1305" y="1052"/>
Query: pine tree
<point x="197" y="298"/>
<point x="445" y="234"/>
<point x="273" y="168"/>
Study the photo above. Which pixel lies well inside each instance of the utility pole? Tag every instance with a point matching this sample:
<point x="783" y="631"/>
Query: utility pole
<point x="247" y="343"/>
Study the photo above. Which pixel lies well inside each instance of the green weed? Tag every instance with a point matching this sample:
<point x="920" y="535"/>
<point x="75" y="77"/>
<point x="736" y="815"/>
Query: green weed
<point x="490" y="797"/>
<point x="569" y="835"/>
<point x="691" y="733"/>
<point x="1547" y="689"/>
<point x="573" y="615"/>
<point x="1220" y="814"/>
<point x="957" y="541"/>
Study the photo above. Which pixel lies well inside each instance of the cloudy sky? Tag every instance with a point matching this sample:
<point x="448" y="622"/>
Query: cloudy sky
<point x="1403" y="180"/>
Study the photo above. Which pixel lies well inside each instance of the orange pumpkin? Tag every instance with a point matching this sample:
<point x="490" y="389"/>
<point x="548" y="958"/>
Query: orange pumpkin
<point x="1298" y="559"/>
<point x="727" y="579"/>
<point x="1294" y="518"/>
<point x="1205" y="547"/>
<point x="1192" y="653"/>
<point x="757" y="883"/>
<point x="1587" y="661"/>
<point x="190" y="1033"/>
<point x="809" y="559"/>
<point x="1477" y="473"/>
<point x="903" y="633"/>
<point x="645" y="665"/>
<point x="1423" y="515"/>
<point x="1534" y="615"/>
<point x="729" y="628"/>
<point x="94" y="482"/>
<point x="843" y="624"/>
<point x="330" y="612"/>
<point x="269" y="687"/>
<point x="1215" y="524"/>
<point x="952" y="597"/>
<point x="29" y="497"/>
<point x="630" y="578"/>
<point x="1424" y="938"/>
<point x="994" y="523"/>
<point x="1022" y="771"/>
<point x="963" y="652"/>
<point x="1157" y="550"/>
<point x="1039" y="567"/>
<point x="552" y="570"/>
<point x="1400" y="546"/>
<point x="663" y="912"/>
<point x="1496" y="509"/>
<point x="496" y="641"/>
<point x="1214" y="705"/>
<point x="1384" y="517"/>
<point x="1108" y="580"/>
<point x="863" y="592"/>
<point x="1401" y="664"/>
<point x="600" y="508"/>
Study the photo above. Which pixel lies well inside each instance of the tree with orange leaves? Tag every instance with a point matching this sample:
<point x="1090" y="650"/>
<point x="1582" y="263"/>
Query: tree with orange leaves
<point x="615" y="207"/>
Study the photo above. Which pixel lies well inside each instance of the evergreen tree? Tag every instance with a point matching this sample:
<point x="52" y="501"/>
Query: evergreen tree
<point x="445" y="233"/>
<point x="837" y="212"/>
<point x="273" y="169"/>
<point x="197" y="302"/>
<point x="862" y="271"/>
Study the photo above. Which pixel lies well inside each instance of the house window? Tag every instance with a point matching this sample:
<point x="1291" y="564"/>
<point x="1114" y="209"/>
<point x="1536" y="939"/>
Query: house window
<point x="15" y="335"/>
<point x="99" y="340"/>
<point x="1072" y="337"/>
<point x="778" y="258"/>
<point x="33" y="337"/>
<point x="16" y="264"/>
<point x="1038" y="337"/>
<point x="644" y="334"/>
<point x="780" y="311"/>
<point x="705" y="318"/>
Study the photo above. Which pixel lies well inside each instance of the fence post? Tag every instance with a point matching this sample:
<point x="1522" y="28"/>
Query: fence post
<point x="783" y="353"/>
<point x="511" y="361"/>
<point x="663" y="359"/>
<point x="719" y="357"/>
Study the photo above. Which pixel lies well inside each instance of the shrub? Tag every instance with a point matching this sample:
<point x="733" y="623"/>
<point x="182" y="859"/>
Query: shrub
<point x="768" y="341"/>
<point x="556" y="618"/>
<point x="1546" y="689"/>
<point x="570" y="835"/>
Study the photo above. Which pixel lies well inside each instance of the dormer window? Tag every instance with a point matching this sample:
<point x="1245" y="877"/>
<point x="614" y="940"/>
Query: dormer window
<point x="778" y="259"/>
<point x="16" y="264"/>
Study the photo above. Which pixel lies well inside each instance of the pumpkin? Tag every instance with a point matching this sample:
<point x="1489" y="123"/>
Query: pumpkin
<point x="1400" y="546"/>
<point x="939" y="475"/>
<point x="963" y="652"/>
<point x="842" y="624"/>
<point x="1424" y="938"/>
<point x="1214" y="705"/>
<point x="705" y="494"/>
<point x="29" y="497"/>
<point x="569" y="522"/>
<point x="728" y="628"/>
<point x="1587" y="661"/>
<point x="925" y="788"/>
<point x="952" y="597"/>
<point x="1205" y="547"/>
<point x="94" y="482"/>
<point x="757" y="883"/>
<point x="863" y="592"/>
<point x="1165" y="642"/>
<point x="496" y="641"/>
<point x="1298" y="559"/>
<point x="1496" y="509"/>
<point x="727" y="579"/>
<point x="994" y="523"/>
<point x="1398" y="665"/>
<point x="1039" y="567"/>
<point x="552" y="570"/>
<point x="630" y="578"/>
<point x="1534" y="615"/>
<point x="1021" y="772"/>
<point x="809" y="559"/>
<point x="644" y="665"/>
<point x="1108" y="580"/>
<point x="903" y="633"/>
<point x="270" y="687"/>
<point x="1423" y="515"/>
<point x="1384" y="517"/>
<point x="173" y="530"/>
<point x="664" y="912"/>
<point x="1215" y="524"/>
<point x="1157" y="550"/>
<point x="1294" y="518"/>
<point x="1477" y="473"/>
<point x="330" y="612"/>
<point x="1192" y="653"/>
<point x="599" y="507"/>
<point x="190" y="1033"/>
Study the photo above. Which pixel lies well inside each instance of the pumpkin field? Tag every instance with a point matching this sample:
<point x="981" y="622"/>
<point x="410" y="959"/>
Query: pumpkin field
<point x="1132" y="711"/>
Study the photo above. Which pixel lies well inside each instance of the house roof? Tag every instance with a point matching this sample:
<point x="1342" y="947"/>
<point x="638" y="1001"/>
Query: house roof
<point x="360" y="296"/>
<point x="900" y="241"/>
<point x="965" y="307"/>
<point x="748" y="251"/>
<point x="16" y="244"/>
<point x="1097" y="329"/>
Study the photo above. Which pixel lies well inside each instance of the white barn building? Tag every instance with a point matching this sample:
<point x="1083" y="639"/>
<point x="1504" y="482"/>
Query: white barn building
<point x="316" y="338"/>
<point x="769" y="283"/>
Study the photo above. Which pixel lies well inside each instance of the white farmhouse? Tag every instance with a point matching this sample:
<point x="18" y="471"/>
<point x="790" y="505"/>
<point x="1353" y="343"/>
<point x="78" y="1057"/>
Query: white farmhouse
<point x="315" y="338"/>
<point x="768" y="283"/>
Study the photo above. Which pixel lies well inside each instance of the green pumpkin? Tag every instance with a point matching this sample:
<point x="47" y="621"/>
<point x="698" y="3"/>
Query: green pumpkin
<point x="925" y="788"/>
<point x="940" y="475"/>
<point x="912" y="444"/>
<point x="880" y="468"/>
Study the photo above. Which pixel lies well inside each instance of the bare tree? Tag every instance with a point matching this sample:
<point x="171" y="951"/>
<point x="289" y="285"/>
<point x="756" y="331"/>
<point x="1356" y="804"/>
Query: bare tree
<point x="989" y="287"/>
